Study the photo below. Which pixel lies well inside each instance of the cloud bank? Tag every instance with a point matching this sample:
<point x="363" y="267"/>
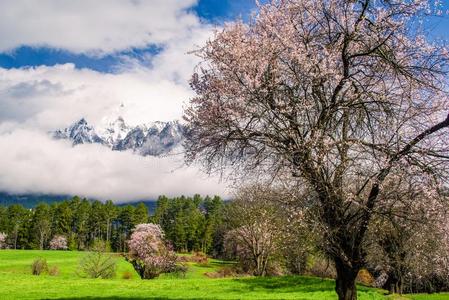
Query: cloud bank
<point x="35" y="100"/>
<point x="94" y="27"/>
<point x="34" y="163"/>
<point x="51" y="97"/>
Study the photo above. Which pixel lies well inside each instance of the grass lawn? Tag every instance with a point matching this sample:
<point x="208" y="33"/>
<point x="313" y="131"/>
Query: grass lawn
<point x="16" y="282"/>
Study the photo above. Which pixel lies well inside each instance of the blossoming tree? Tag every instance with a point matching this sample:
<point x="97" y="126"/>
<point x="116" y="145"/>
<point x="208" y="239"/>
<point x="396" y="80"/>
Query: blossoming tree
<point x="58" y="242"/>
<point x="409" y="240"/>
<point x="148" y="251"/>
<point x="336" y="94"/>
<point x="3" y="237"/>
<point x="258" y="225"/>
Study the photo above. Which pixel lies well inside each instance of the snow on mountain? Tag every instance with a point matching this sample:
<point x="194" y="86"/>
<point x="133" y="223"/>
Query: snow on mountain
<point x="79" y="133"/>
<point x="155" y="139"/>
<point x="115" y="131"/>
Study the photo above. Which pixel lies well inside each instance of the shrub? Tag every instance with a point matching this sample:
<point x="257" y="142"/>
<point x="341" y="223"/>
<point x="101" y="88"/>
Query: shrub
<point x="39" y="266"/>
<point x="223" y="272"/>
<point x="180" y="270"/>
<point x="3" y="237"/>
<point x="149" y="254"/>
<point x="127" y="275"/>
<point x="98" y="264"/>
<point x="321" y="267"/>
<point x="364" y="277"/>
<point x="197" y="257"/>
<point x="58" y="242"/>
<point x="53" y="271"/>
<point x="200" y="258"/>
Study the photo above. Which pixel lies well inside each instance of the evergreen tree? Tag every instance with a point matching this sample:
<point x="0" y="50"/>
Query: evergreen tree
<point x="110" y="213"/>
<point x="41" y="225"/>
<point x="18" y="221"/>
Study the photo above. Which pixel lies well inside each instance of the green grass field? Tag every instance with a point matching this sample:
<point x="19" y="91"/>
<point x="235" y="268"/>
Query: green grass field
<point x="16" y="282"/>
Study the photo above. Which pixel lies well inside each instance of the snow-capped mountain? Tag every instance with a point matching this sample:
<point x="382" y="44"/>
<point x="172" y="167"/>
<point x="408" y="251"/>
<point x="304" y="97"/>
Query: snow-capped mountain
<point x="115" y="131"/>
<point x="79" y="133"/>
<point x="156" y="138"/>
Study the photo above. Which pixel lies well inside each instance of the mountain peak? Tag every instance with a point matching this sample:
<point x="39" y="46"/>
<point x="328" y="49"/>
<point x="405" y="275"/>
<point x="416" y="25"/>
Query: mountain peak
<point x="82" y="121"/>
<point x="155" y="138"/>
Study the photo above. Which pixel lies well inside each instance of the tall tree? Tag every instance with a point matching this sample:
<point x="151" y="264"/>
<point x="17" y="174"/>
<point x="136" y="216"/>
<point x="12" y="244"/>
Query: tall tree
<point x="110" y="213"/>
<point x="332" y="94"/>
<point x="125" y="222"/>
<point x="97" y="223"/>
<point x="213" y="210"/>
<point x="62" y="218"/>
<point x="258" y="221"/>
<point x="18" y="219"/>
<point x="41" y="224"/>
<point x="140" y="215"/>
<point x="80" y="221"/>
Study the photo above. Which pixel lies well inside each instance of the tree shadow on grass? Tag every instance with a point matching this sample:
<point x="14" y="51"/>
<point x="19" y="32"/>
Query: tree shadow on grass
<point x="302" y="287"/>
<point x="242" y="286"/>
<point x="113" y="298"/>
<point x="286" y="284"/>
<point x="293" y="284"/>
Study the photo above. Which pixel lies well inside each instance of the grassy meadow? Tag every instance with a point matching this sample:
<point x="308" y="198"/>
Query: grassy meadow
<point x="16" y="282"/>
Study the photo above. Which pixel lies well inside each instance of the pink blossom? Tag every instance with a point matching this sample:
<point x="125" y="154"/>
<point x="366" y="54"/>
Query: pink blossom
<point x="3" y="237"/>
<point x="58" y="242"/>
<point x="148" y="251"/>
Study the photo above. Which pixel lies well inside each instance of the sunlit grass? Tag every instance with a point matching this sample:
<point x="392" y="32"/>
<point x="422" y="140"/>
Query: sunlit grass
<point x="16" y="282"/>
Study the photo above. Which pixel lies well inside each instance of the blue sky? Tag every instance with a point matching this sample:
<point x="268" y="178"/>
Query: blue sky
<point x="63" y="60"/>
<point x="210" y="11"/>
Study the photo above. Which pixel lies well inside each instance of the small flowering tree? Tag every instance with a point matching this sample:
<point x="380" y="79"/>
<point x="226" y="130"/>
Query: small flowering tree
<point x="58" y="242"/>
<point x="3" y="237"/>
<point x="262" y="225"/>
<point x="149" y="253"/>
<point x="409" y="245"/>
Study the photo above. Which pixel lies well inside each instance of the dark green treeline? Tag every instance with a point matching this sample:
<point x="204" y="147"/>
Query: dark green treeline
<point x="190" y="223"/>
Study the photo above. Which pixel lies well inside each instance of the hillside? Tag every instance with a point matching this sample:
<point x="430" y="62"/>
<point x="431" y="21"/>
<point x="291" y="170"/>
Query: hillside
<point x="31" y="200"/>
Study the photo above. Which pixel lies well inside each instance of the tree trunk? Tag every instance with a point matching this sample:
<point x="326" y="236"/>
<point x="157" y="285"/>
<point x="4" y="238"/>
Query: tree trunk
<point x="41" y="242"/>
<point x="345" y="283"/>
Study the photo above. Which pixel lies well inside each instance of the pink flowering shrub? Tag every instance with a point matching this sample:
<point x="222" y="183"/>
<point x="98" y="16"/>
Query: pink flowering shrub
<point x="3" y="237"/>
<point x="59" y="242"/>
<point x="149" y="253"/>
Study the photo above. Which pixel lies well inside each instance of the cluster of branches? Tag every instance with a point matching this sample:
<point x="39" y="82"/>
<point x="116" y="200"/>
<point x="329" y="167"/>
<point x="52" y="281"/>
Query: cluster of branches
<point x="266" y="233"/>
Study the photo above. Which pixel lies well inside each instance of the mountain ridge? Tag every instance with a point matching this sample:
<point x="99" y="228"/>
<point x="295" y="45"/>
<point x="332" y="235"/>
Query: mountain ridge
<point x="151" y="139"/>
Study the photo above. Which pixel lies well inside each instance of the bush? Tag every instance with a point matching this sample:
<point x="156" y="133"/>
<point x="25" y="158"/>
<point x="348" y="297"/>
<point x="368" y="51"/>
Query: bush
<point x="200" y="258"/>
<point x="127" y="275"/>
<point x="321" y="267"/>
<point x="39" y="266"/>
<point x="98" y="264"/>
<point x="53" y="271"/>
<point x="180" y="270"/>
<point x="149" y="253"/>
<point x="364" y="277"/>
<point x="197" y="257"/>
<point x="58" y="242"/>
<point x="3" y="237"/>
<point x="223" y="272"/>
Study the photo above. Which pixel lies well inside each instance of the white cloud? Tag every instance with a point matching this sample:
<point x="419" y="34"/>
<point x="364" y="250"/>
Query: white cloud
<point x="34" y="163"/>
<point x="51" y="97"/>
<point x="35" y="100"/>
<point x="93" y="27"/>
<point x="42" y="98"/>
